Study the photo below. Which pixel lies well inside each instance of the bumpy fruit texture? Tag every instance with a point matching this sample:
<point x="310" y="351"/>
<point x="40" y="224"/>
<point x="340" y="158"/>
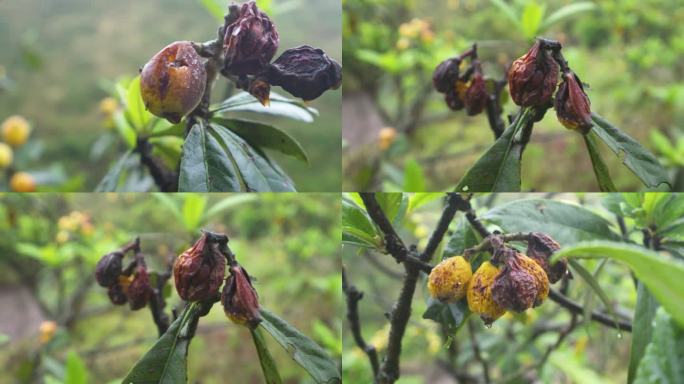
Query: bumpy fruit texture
<point x="22" y="182"/>
<point x="261" y="90"/>
<point x="572" y="104"/>
<point x="476" y="96"/>
<point x="479" y="294"/>
<point x="521" y="285"/>
<point x="240" y="300"/>
<point x="140" y="290"/>
<point x="446" y="74"/>
<point x="117" y="295"/>
<point x="540" y="247"/>
<point x="108" y="269"/>
<point x="199" y="271"/>
<point x="172" y="83"/>
<point x="15" y="131"/>
<point x="448" y="280"/>
<point x="533" y="77"/>
<point x="249" y="42"/>
<point x="6" y="155"/>
<point x="305" y="72"/>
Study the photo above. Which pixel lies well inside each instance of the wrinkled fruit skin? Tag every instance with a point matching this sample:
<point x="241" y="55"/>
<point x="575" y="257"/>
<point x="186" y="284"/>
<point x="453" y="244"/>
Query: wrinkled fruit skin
<point x="521" y="285"/>
<point x="455" y="97"/>
<point x="572" y="105"/>
<point x="108" y="269"/>
<point x="479" y="294"/>
<point x="305" y="72"/>
<point x="239" y="299"/>
<point x="22" y="182"/>
<point x="446" y="74"/>
<point x="139" y="291"/>
<point x="172" y="83"/>
<point x="533" y="77"/>
<point x="6" y="155"/>
<point x="476" y="96"/>
<point x="261" y="90"/>
<point x="199" y="271"/>
<point x="448" y="280"/>
<point x="117" y="295"/>
<point x="249" y="42"/>
<point x="15" y="131"/>
<point x="540" y="247"/>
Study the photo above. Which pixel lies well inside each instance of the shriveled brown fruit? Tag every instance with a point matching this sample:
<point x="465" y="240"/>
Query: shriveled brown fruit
<point x="540" y="247"/>
<point x="522" y="284"/>
<point x="140" y="290"/>
<point x="239" y="298"/>
<point x="533" y="78"/>
<point x="249" y="42"/>
<point x="305" y="72"/>
<point x="572" y="104"/>
<point x="198" y="272"/>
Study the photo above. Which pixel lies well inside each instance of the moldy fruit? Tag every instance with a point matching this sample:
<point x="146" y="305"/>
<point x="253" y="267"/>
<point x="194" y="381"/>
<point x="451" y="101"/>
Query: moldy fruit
<point x="448" y="280"/>
<point x="249" y="42"/>
<point x="533" y="77"/>
<point x="199" y="271"/>
<point x="305" y="72"/>
<point x="522" y="283"/>
<point x="572" y="104"/>
<point x="479" y="294"/>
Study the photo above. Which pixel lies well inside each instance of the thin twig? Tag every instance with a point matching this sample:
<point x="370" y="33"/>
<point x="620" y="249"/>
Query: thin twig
<point x="477" y="353"/>
<point x="353" y="298"/>
<point x="453" y="201"/>
<point x="599" y="317"/>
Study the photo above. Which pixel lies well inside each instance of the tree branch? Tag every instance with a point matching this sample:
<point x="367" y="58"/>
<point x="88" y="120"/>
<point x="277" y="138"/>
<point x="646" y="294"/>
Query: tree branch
<point x="599" y="317"/>
<point x="453" y="201"/>
<point x="353" y="298"/>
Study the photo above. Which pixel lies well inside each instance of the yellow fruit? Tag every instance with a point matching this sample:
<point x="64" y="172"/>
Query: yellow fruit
<point x="47" y="331"/>
<point x="386" y="137"/>
<point x="15" y="131"/>
<point x="449" y="279"/>
<point x="108" y="106"/>
<point x="22" y="182"/>
<point x="480" y="299"/>
<point x="6" y="155"/>
<point x="534" y="269"/>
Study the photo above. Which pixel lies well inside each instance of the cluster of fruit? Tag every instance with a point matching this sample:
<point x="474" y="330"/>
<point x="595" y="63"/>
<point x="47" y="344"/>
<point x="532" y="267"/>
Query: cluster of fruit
<point x="15" y="132"/>
<point x="509" y="281"/>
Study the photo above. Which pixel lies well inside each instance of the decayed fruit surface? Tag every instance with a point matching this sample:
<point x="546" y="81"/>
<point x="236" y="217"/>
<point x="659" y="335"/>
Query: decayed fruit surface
<point x="522" y="283"/>
<point x="540" y="247"/>
<point x="479" y="294"/>
<point x="533" y="77"/>
<point x="198" y="272"/>
<point x="448" y="280"/>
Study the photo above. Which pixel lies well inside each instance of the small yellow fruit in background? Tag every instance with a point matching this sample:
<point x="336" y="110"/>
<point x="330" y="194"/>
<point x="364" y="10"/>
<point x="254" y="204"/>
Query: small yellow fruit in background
<point x="47" y="331"/>
<point x="108" y="106"/>
<point x="386" y="137"/>
<point x="449" y="279"/>
<point x="15" y="131"/>
<point x="6" y="155"/>
<point x="480" y="299"/>
<point x="22" y="182"/>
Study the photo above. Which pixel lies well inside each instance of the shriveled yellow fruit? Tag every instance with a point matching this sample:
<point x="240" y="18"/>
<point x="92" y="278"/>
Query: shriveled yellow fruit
<point x="448" y="280"/>
<point x="536" y="270"/>
<point x="15" y="131"/>
<point x="480" y="299"/>
<point x="22" y="182"/>
<point x="6" y="155"/>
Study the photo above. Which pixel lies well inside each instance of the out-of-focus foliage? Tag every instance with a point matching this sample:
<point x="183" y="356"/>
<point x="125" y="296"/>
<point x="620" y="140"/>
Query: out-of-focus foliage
<point x="67" y="326"/>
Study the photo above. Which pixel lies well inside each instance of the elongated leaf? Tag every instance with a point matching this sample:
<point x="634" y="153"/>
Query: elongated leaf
<point x="314" y="359"/>
<point x="568" y="11"/>
<point x="280" y="106"/>
<point x="228" y="203"/>
<point x="166" y="361"/>
<point x="391" y="204"/>
<point x="451" y="315"/>
<point x="76" y="371"/>
<point x="644" y="313"/>
<point x="566" y="223"/>
<point x="531" y="18"/>
<point x="111" y="180"/>
<point x="507" y="10"/>
<point x="268" y="365"/>
<point x="663" y="278"/>
<point x="662" y="362"/>
<point x="264" y="136"/>
<point x="600" y="168"/>
<point x="414" y="179"/>
<point x="589" y="279"/>
<point x="637" y="158"/>
<point x="356" y="221"/>
<point x="136" y="113"/>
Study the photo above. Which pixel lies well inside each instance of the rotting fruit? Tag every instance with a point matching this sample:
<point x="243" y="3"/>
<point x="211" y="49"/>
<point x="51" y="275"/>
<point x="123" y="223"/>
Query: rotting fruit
<point x="199" y="271"/>
<point x="108" y="269"/>
<point x="172" y="83"/>
<point x="540" y="248"/>
<point x="239" y="298"/>
<point x="479" y="294"/>
<point x="305" y="72"/>
<point x="448" y="280"/>
<point x="573" y="107"/>
<point x="249" y="42"/>
<point x="139" y="291"/>
<point x="533" y="77"/>
<point x="522" y="283"/>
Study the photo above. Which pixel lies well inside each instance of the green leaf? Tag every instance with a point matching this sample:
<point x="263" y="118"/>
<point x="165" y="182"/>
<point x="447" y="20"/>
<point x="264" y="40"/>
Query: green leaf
<point x="451" y="315"/>
<point x="419" y="199"/>
<point x="256" y="171"/>
<point x="264" y="136"/>
<point x="356" y="223"/>
<point x="567" y="11"/>
<point x="662" y="362"/>
<point x="663" y="278"/>
<point x="644" y="313"/>
<point x="280" y="106"/>
<point x="391" y="203"/>
<point x="111" y="180"/>
<point x="531" y="18"/>
<point x="268" y="365"/>
<point x="124" y="128"/>
<point x="228" y="203"/>
<point x="166" y="361"/>
<point x="75" y="370"/>
<point x="193" y="210"/>
<point x="136" y="113"/>
<point x="463" y="237"/>
<point x="566" y="223"/>
<point x="507" y="10"/>
<point x="205" y="166"/>
<point x="308" y="354"/>
<point x="575" y="368"/>
<point x="589" y="279"/>
<point x="414" y="180"/>
<point x="637" y="158"/>
<point x="600" y="168"/>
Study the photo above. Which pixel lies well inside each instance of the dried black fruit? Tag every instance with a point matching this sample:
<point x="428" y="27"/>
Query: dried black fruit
<point x="540" y="247"/>
<point x="476" y="96"/>
<point x="108" y="269"/>
<point x="117" y="294"/>
<point x="533" y="77"/>
<point x="249" y="42"/>
<point x="140" y="290"/>
<point x="199" y="271"/>
<point x="305" y="72"/>
<point x="239" y="298"/>
<point x="446" y="74"/>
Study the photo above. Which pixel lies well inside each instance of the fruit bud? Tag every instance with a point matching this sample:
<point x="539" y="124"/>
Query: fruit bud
<point x="108" y="269"/>
<point x="305" y="72"/>
<point x="540" y="247"/>
<point x="261" y="90"/>
<point x="522" y="283"/>
<point x="446" y="74"/>
<point x="448" y="280"/>
<point x="172" y="83"/>
<point x="139" y="291"/>
<point x="479" y="294"/>
<point x="15" y="131"/>
<point x="572" y="104"/>
<point x="199" y="271"/>
<point x="533" y="77"/>
<point x="22" y="182"/>
<point x="476" y="96"/>
<point x="239" y="298"/>
<point x="249" y="42"/>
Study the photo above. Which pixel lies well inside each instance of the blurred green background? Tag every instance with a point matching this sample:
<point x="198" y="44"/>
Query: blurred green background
<point x="49" y="245"/>
<point x="60" y="58"/>
<point x="628" y="51"/>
